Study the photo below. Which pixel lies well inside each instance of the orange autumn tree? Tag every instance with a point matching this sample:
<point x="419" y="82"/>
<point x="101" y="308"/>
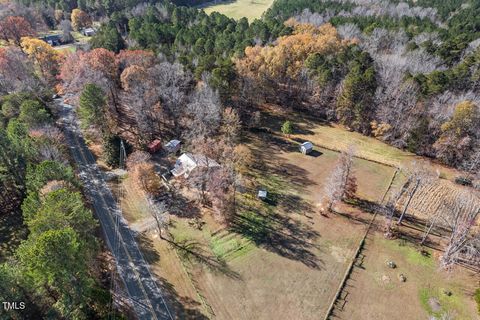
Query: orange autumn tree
<point x="44" y="56"/>
<point x="285" y="60"/>
<point x="13" y="28"/>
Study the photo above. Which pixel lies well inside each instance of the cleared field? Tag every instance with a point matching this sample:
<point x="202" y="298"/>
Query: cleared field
<point x="375" y="291"/>
<point x="237" y="9"/>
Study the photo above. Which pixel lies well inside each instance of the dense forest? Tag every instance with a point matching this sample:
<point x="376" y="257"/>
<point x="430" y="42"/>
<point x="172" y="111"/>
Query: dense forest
<point x="406" y="73"/>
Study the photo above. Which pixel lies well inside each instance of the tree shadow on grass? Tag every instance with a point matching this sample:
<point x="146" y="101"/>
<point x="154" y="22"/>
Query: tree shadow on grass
<point x="180" y="206"/>
<point x="291" y="203"/>
<point x="180" y="307"/>
<point x="147" y="248"/>
<point x="284" y="236"/>
<point x="194" y="251"/>
<point x="293" y="175"/>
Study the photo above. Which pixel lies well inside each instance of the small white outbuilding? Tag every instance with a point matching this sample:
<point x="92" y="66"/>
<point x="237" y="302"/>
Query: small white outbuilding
<point x="306" y="147"/>
<point x="262" y="194"/>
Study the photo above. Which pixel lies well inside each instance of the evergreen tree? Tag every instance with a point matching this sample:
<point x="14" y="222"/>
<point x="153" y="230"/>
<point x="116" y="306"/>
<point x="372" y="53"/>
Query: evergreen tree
<point x="92" y="106"/>
<point x="108" y="38"/>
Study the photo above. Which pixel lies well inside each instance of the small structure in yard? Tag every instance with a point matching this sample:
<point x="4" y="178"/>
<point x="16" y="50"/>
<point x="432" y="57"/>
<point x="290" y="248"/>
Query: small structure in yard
<point x="53" y="39"/>
<point x="391" y="264"/>
<point x="306" y="147"/>
<point x="89" y="32"/>
<point x="172" y="146"/>
<point x="188" y="162"/>
<point x="154" y="146"/>
<point x="262" y="194"/>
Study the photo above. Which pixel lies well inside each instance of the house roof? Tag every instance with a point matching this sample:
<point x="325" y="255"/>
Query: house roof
<point x="188" y="161"/>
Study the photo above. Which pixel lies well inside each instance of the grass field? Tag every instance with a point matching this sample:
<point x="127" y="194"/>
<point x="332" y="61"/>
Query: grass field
<point x="283" y="246"/>
<point x="375" y="286"/>
<point x="237" y="9"/>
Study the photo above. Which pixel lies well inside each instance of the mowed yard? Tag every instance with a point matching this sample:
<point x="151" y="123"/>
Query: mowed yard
<point x="237" y="9"/>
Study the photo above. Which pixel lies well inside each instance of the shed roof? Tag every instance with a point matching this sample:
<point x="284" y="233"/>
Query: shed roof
<point x="262" y="193"/>
<point x="307" y="145"/>
<point x="172" y="143"/>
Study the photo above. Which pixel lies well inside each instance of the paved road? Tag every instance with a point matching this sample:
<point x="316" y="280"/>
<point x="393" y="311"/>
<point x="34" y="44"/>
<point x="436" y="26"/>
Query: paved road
<point x="145" y="295"/>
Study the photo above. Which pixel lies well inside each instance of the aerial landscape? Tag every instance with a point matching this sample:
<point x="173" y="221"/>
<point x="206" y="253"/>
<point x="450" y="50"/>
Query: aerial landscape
<point x="240" y="159"/>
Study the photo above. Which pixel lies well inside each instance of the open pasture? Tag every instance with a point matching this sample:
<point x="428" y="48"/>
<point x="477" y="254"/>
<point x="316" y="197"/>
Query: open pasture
<point x="237" y="9"/>
<point x="374" y="290"/>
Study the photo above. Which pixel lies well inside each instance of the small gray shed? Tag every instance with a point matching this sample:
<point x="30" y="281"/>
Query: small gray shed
<point x="172" y="146"/>
<point x="306" y="147"/>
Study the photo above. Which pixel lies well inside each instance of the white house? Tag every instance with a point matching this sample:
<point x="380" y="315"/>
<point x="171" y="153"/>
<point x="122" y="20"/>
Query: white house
<point x="188" y="162"/>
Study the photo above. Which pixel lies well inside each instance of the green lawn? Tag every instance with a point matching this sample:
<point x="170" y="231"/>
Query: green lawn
<point x="251" y="9"/>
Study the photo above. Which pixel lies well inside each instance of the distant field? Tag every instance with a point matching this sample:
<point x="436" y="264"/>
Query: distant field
<point x="250" y="9"/>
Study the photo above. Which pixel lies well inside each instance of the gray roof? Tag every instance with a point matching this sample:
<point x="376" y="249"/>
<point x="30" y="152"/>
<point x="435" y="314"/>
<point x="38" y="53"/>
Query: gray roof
<point x="307" y="145"/>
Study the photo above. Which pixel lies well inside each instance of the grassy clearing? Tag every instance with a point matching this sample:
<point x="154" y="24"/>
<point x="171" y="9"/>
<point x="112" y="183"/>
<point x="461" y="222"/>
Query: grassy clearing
<point x="336" y="138"/>
<point x="436" y="302"/>
<point x="237" y="9"/>
<point x="410" y="252"/>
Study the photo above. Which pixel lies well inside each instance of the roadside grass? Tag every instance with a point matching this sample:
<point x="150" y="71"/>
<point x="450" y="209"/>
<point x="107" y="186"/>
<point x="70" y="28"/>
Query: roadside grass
<point x="250" y="9"/>
<point x="134" y="206"/>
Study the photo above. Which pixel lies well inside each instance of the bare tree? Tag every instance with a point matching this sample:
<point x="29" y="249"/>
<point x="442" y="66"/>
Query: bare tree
<point x="205" y="112"/>
<point x="159" y="212"/>
<point x="66" y="27"/>
<point x="460" y="223"/>
<point x="341" y="181"/>
<point x="231" y="125"/>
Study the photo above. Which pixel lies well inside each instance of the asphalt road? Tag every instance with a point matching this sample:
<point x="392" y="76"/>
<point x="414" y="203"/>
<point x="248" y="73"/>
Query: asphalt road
<point x="146" y="297"/>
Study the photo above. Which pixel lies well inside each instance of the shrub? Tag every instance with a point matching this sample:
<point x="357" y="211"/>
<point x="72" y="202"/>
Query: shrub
<point x="287" y="128"/>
